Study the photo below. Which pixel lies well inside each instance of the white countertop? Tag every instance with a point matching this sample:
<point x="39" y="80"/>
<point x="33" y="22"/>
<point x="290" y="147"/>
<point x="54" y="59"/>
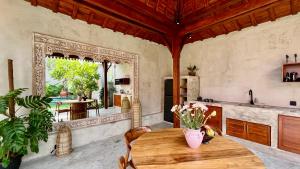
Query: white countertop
<point x="262" y="114"/>
<point x="278" y="108"/>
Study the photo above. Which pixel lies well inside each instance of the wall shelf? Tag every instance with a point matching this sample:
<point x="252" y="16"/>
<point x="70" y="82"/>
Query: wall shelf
<point x="290" y="67"/>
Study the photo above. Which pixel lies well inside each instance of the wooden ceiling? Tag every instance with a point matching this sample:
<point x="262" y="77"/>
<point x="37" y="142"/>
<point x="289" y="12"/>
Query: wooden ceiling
<point x="158" y="20"/>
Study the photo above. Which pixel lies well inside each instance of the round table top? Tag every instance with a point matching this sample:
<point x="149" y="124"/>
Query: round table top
<point x="77" y="101"/>
<point x="167" y="149"/>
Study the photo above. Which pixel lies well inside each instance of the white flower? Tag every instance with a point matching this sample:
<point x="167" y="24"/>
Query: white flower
<point x="200" y="105"/>
<point x="174" y="108"/>
<point x="184" y="108"/>
<point x="214" y="113"/>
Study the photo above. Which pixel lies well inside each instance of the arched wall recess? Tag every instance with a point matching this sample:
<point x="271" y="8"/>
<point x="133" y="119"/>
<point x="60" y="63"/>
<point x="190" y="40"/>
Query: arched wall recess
<point x="45" y="45"/>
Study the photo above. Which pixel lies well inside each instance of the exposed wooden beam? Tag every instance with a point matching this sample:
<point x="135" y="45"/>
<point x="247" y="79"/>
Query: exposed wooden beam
<point x="91" y="17"/>
<point x="137" y="32"/>
<point x="225" y="29"/>
<point x="253" y="20"/>
<point x="119" y="11"/>
<point x="209" y="10"/>
<point x="272" y="14"/>
<point x="105" y="22"/>
<point x="113" y="17"/>
<point x="34" y="2"/>
<point x="226" y="15"/>
<point x="55" y="6"/>
<point x="237" y="25"/>
<point x="140" y="7"/>
<point x="212" y="33"/>
<point x="75" y="10"/>
<point x="293" y="7"/>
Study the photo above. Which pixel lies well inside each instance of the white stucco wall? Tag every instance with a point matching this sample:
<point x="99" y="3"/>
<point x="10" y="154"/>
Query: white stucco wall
<point x="18" y="20"/>
<point x="251" y="58"/>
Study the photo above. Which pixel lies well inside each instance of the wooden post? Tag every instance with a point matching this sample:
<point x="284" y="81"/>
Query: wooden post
<point x="11" y="105"/>
<point x="175" y="47"/>
<point x="105" y="85"/>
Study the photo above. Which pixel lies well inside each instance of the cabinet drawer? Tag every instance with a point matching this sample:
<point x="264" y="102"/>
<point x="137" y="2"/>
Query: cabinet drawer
<point x="236" y="128"/>
<point x="117" y="100"/>
<point x="259" y="133"/>
<point x="289" y="133"/>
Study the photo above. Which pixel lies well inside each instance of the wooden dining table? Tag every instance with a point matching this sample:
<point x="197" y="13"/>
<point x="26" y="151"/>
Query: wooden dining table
<point x="167" y="149"/>
<point x="78" y="108"/>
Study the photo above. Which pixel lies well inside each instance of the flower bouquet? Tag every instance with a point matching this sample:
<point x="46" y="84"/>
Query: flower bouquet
<point x="194" y="117"/>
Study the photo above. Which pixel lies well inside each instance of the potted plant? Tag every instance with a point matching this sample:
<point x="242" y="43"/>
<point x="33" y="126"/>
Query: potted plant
<point x="21" y="131"/>
<point x="194" y="118"/>
<point x="192" y="69"/>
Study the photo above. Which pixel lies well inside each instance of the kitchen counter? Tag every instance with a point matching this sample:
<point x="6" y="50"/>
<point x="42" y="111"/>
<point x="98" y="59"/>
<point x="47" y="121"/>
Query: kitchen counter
<point x="262" y="114"/>
<point x="262" y="106"/>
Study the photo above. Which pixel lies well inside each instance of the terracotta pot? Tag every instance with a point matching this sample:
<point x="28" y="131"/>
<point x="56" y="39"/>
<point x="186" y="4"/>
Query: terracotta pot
<point x="63" y="93"/>
<point x="193" y="137"/>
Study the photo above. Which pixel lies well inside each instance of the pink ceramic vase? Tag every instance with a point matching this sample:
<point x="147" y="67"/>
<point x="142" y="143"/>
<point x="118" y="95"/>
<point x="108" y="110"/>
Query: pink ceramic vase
<point x="193" y="137"/>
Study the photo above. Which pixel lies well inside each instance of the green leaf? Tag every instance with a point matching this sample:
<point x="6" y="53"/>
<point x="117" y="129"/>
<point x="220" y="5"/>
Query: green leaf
<point x="19" y="133"/>
<point x="3" y="105"/>
<point x="34" y="101"/>
<point x="14" y="93"/>
<point x="5" y="162"/>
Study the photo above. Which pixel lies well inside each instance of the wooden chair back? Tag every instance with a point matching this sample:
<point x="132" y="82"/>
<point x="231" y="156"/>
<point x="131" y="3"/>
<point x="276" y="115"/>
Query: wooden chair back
<point x="135" y="133"/>
<point x="122" y="163"/>
<point x="132" y="135"/>
<point x="59" y="110"/>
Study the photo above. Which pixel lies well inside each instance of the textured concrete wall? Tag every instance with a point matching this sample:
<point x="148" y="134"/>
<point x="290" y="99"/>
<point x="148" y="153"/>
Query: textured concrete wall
<point x="232" y="64"/>
<point x="18" y="20"/>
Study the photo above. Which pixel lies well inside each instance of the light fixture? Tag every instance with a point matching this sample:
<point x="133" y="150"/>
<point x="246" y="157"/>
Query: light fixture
<point x="177" y="21"/>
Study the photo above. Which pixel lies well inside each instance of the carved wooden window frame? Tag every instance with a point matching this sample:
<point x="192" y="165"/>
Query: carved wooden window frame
<point x="46" y="45"/>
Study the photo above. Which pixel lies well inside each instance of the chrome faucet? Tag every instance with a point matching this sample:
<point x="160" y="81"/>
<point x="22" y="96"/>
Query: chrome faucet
<point x="251" y="97"/>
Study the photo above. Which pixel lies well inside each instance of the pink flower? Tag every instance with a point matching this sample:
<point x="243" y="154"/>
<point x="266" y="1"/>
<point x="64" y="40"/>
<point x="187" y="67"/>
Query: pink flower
<point x="200" y="105"/>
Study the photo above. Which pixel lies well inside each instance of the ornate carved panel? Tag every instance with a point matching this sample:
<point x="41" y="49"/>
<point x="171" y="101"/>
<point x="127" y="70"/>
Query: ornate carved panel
<point x="44" y="45"/>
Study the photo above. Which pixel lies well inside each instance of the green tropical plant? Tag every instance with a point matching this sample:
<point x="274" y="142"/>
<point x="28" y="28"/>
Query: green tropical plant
<point x="81" y="77"/>
<point x="53" y="90"/>
<point x="17" y="133"/>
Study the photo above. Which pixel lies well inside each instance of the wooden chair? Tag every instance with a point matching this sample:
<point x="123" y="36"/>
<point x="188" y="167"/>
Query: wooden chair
<point x="122" y="163"/>
<point x="58" y="110"/>
<point x="130" y="136"/>
<point x="93" y="105"/>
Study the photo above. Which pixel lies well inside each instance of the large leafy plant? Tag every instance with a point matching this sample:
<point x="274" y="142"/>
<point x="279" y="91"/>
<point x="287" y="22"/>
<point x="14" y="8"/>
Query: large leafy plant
<point x="18" y="132"/>
<point x="81" y="76"/>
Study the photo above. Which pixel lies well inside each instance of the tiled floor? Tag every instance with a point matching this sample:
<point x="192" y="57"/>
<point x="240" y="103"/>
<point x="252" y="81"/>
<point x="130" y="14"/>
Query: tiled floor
<point x="104" y="155"/>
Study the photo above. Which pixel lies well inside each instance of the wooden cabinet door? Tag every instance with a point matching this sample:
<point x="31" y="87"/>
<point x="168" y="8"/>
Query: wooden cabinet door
<point x="236" y="128"/>
<point x="215" y="122"/>
<point x="117" y="100"/>
<point x="259" y="133"/>
<point x="289" y="133"/>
